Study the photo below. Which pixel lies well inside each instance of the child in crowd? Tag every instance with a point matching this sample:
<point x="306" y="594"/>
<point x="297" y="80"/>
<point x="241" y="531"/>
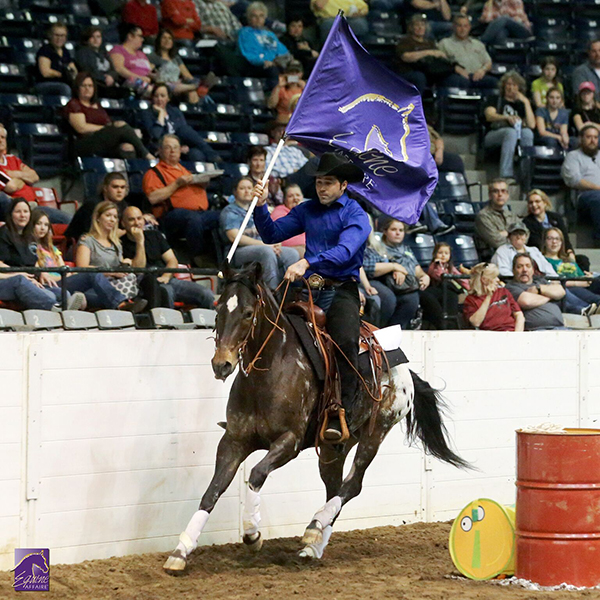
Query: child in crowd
<point x="549" y="79"/>
<point x="552" y="121"/>
<point x="42" y="243"/>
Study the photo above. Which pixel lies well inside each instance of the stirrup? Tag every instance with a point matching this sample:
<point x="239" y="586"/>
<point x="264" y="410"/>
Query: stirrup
<point x="340" y="413"/>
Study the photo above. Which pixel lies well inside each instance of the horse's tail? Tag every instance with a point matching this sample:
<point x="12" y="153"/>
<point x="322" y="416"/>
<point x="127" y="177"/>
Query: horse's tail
<point x="425" y="422"/>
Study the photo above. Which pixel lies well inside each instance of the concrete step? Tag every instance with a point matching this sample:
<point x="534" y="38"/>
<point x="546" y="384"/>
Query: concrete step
<point x="470" y="161"/>
<point x="474" y="175"/>
<point x="593" y="254"/>
<point x="460" y="143"/>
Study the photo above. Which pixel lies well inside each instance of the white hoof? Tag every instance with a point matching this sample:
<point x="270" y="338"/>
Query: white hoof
<point x="176" y="563"/>
<point x="254" y="545"/>
<point x="308" y="552"/>
<point x="316" y="548"/>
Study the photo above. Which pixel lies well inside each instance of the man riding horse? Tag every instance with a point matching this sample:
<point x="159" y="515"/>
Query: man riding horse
<point x="336" y="230"/>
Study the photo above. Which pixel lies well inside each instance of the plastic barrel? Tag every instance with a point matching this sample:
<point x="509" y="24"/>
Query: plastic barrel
<point x="558" y="507"/>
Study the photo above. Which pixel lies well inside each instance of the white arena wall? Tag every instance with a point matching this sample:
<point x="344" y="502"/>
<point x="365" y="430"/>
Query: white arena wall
<point x="107" y="439"/>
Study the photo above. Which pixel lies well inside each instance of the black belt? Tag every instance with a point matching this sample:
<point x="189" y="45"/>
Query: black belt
<point x="317" y="282"/>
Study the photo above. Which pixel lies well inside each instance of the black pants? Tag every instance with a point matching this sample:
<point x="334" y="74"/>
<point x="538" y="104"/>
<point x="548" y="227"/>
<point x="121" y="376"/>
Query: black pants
<point x="432" y="308"/>
<point x="107" y="141"/>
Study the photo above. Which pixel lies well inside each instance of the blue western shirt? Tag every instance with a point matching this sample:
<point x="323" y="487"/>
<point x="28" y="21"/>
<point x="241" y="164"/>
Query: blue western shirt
<point x="336" y="235"/>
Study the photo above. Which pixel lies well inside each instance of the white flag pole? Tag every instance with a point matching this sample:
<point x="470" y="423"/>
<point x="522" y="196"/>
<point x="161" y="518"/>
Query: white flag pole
<point x="264" y="181"/>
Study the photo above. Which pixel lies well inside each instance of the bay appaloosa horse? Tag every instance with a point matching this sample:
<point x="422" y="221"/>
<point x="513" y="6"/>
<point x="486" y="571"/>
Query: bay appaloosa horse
<point x="275" y="406"/>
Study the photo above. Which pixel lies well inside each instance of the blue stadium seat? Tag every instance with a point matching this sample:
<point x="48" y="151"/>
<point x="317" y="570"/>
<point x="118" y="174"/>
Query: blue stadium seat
<point x="220" y="141"/>
<point x="229" y="117"/>
<point x="199" y="117"/>
<point x="463" y="248"/>
<point x="248" y="91"/>
<point x="16" y="23"/>
<point x="14" y="79"/>
<point x="42" y="146"/>
<point x="543" y="172"/>
<point x="242" y="141"/>
<point x="460" y="110"/>
<point x="385" y="24"/>
<point x="422" y="245"/>
<point x="94" y="169"/>
<point x="257" y="116"/>
<point x="197" y="63"/>
<point x="514" y="52"/>
<point x="23" y="108"/>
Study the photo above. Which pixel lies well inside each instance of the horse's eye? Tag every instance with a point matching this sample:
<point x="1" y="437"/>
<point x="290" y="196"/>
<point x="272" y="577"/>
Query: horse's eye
<point x="247" y="314"/>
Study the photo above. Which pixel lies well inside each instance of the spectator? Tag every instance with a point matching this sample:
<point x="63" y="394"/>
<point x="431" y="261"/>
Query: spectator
<point x="391" y="260"/>
<point x="489" y="306"/>
<point x="587" y="109"/>
<point x="217" y="16"/>
<point x="290" y="85"/>
<point x="471" y="59"/>
<point x="518" y="235"/>
<point x="354" y="10"/>
<point x="92" y="58"/>
<point x="158" y="254"/>
<point x="257" y="159"/>
<point x="179" y="199"/>
<point x="537" y="297"/>
<point x="55" y="67"/>
<point x="291" y="159"/>
<point x="275" y="259"/>
<point x="293" y="197"/>
<point x="445" y="161"/>
<point x="95" y="287"/>
<point x="261" y="49"/>
<point x="163" y="118"/>
<point x="15" y="252"/>
<point x="438" y="14"/>
<point x="493" y="220"/>
<point x="131" y="63"/>
<point x="295" y="41"/>
<point x="548" y="80"/>
<point x="171" y="70"/>
<point x="588" y="71"/>
<point x="553" y="121"/>
<point x="510" y="120"/>
<point x="101" y="248"/>
<point x="181" y="18"/>
<point x="142" y="14"/>
<point x="95" y="133"/>
<point x="417" y="58"/>
<point x="581" y="172"/>
<point x="507" y="19"/>
<point x="18" y="181"/>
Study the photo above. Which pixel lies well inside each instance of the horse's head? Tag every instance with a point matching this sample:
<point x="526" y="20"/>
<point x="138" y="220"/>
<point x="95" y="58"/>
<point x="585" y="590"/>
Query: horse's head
<point x="237" y="313"/>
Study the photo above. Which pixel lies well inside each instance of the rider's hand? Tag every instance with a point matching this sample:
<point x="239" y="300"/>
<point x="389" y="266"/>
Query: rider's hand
<point x="297" y="270"/>
<point x="261" y="192"/>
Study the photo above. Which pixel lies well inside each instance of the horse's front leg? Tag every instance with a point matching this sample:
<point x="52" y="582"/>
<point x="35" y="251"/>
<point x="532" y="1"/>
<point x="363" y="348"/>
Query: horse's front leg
<point x="282" y="450"/>
<point x="230" y="455"/>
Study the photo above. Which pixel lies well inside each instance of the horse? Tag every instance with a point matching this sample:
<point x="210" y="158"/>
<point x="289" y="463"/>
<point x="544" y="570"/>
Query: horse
<point x="275" y="407"/>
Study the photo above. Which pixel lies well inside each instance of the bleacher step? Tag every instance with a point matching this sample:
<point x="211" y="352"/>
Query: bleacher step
<point x="462" y="144"/>
<point x="593" y="254"/>
<point x="470" y="161"/>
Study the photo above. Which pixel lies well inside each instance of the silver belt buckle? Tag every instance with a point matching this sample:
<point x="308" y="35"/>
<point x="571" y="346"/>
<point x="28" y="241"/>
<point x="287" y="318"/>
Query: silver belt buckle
<point x="316" y="282"/>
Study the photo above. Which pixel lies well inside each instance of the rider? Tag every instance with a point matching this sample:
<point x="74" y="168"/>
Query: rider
<point x="336" y="230"/>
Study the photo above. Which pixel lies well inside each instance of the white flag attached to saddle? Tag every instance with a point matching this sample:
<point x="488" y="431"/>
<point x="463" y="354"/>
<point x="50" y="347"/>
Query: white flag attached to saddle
<point x="389" y="338"/>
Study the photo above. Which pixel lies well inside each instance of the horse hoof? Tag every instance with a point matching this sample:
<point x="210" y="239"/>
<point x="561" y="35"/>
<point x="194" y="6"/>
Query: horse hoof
<point x="308" y="552"/>
<point x="176" y="563"/>
<point x="313" y="534"/>
<point x="253" y="544"/>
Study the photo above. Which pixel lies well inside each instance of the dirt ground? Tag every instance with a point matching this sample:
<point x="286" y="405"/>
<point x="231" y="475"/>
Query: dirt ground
<point x="403" y="563"/>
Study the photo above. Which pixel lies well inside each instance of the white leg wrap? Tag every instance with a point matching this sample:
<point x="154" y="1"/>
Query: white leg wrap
<point x="188" y="540"/>
<point x="318" y="549"/>
<point x="251" y="517"/>
<point x="329" y="512"/>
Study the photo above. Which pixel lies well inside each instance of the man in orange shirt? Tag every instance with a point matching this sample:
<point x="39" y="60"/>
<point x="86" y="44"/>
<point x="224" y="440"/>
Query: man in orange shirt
<point x="181" y="18"/>
<point x="179" y="200"/>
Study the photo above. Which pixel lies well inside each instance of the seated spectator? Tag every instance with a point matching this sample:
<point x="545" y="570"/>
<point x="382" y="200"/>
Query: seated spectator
<point x="101" y="247"/>
<point x="548" y="80"/>
<point x="445" y="161"/>
<point x="553" y="121"/>
<point x="260" y="48"/>
<point x="586" y="110"/>
<point x="442" y="264"/>
<point x="354" y="10"/>
<point x="507" y="19"/>
<point x="55" y="67"/>
<point x="96" y="133"/>
<point x="217" y="20"/>
<point x="290" y="85"/>
<point x="181" y="18"/>
<point x="438" y="14"/>
<point x="489" y="306"/>
<point x="171" y="70"/>
<point x="142" y="14"/>
<point x="275" y="259"/>
<point x="131" y="63"/>
<point x="299" y="47"/>
<point x="18" y="182"/>
<point x="178" y="200"/>
<point x="158" y="254"/>
<point x="493" y="220"/>
<point x="581" y="172"/>
<point x="392" y="267"/>
<point x="518" y="235"/>
<point x="293" y="197"/>
<point x="510" y="119"/>
<point x="163" y="118"/>
<point x="417" y="58"/>
<point x="257" y="163"/>
<point x="471" y="60"/>
<point x="92" y="58"/>
<point x="537" y="297"/>
<point x="588" y="71"/>
<point x="291" y="160"/>
<point x="95" y="287"/>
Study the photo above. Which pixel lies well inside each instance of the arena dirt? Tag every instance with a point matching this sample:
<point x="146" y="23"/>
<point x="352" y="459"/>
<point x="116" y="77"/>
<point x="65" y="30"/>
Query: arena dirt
<point x="400" y="563"/>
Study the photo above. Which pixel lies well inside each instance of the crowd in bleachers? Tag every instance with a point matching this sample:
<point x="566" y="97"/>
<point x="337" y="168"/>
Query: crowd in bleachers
<point x="169" y="111"/>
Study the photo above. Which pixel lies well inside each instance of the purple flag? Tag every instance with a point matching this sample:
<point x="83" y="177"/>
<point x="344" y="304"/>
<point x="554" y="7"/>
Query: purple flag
<point x="355" y="106"/>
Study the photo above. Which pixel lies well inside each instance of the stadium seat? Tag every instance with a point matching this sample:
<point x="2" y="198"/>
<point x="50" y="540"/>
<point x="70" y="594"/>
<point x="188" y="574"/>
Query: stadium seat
<point x="459" y="112"/>
<point x="115" y="319"/>
<point x="242" y="141"/>
<point x="79" y="320"/>
<point x="551" y="29"/>
<point x="381" y="47"/>
<point x="116" y="109"/>
<point x="199" y="117"/>
<point x="220" y="141"/>
<point x="14" y="79"/>
<point x="197" y="63"/>
<point x="514" y="52"/>
<point x="462" y="215"/>
<point x="203" y="318"/>
<point x="248" y="91"/>
<point x="543" y="170"/>
<point x="42" y="319"/>
<point x="463" y="248"/>
<point x="422" y="245"/>
<point x="16" y="23"/>
<point x="11" y="320"/>
<point x="42" y="146"/>
<point x="23" y="108"/>
<point x="385" y="24"/>
<point x="94" y="170"/>
<point x="257" y="117"/>
<point x="168" y="318"/>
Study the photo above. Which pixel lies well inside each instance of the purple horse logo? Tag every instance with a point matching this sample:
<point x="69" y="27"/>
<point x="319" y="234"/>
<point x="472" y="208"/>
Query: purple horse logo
<point x="32" y="570"/>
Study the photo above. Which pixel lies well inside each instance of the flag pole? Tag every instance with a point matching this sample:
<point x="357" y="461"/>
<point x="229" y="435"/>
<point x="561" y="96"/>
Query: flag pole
<point x="264" y="181"/>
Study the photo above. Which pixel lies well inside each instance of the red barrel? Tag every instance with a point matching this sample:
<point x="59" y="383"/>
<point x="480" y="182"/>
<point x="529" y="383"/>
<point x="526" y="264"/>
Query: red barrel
<point x="558" y="507"/>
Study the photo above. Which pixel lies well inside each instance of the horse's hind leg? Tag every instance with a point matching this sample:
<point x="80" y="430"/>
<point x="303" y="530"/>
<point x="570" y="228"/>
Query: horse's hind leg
<point x="282" y="450"/>
<point x="230" y="455"/>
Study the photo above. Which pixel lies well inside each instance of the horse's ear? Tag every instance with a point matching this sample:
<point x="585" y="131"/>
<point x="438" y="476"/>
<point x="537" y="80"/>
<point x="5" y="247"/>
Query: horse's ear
<point x="227" y="271"/>
<point x="256" y="272"/>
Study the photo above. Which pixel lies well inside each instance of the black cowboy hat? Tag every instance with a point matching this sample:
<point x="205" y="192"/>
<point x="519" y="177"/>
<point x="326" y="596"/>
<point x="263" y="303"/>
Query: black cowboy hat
<point x="337" y="166"/>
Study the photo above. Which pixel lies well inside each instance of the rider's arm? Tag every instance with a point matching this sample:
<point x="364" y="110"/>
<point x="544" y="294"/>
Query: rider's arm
<point x="273" y="232"/>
